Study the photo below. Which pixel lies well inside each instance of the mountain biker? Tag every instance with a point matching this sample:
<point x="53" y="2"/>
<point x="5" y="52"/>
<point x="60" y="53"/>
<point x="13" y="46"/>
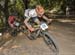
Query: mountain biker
<point x="14" y="24"/>
<point x="34" y="14"/>
<point x="12" y="21"/>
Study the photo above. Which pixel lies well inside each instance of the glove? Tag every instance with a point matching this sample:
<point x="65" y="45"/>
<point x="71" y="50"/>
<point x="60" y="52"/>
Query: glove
<point x="12" y="26"/>
<point x="49" y="21"/>
<point x="31" y="29"/>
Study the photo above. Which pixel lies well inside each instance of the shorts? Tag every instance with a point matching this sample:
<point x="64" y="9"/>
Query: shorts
<point x="35" y="20"/>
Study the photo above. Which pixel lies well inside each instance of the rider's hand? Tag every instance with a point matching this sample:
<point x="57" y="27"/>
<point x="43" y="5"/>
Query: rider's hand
<point x="49" y="21"/>
<point x="31" y="29"/>
<point x="12" y="26"/>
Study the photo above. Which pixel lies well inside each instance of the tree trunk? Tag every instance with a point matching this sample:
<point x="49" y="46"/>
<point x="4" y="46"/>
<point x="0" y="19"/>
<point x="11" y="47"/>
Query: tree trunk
<point x="1" y="8"/>
<point x="6" y="8"/>
<point x="6" y="12"/>
<point x="26" y="2"/>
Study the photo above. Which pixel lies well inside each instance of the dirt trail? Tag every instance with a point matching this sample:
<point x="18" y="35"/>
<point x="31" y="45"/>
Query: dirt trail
<point x="64" y="33"/>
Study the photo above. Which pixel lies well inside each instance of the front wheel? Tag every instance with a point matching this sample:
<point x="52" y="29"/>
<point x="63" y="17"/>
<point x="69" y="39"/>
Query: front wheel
<point x="50" y="41"/>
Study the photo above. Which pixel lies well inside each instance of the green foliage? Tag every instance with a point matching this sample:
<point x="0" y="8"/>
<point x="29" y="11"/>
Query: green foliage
<point x="57" y="5"/>
<point x="16" y="6"/>
<point x="32" y="3"/>
<point x="19" y="7"/>
<point x="48" y="4"/>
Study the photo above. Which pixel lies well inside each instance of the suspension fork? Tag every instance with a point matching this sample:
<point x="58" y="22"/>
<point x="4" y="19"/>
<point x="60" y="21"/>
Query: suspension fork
<point x="38" y="33"/>
<point x="43" y="35"/>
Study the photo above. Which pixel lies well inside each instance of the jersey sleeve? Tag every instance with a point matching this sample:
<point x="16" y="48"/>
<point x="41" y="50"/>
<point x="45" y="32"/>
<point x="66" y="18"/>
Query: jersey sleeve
<point x="26" y="14"/>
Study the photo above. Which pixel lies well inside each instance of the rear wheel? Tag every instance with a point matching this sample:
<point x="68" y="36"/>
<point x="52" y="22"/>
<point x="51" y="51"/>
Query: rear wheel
<point x="51" y="42"/>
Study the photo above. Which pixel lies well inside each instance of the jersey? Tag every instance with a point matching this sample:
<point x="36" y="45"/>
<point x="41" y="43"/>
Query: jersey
<point x="30" y="13"/>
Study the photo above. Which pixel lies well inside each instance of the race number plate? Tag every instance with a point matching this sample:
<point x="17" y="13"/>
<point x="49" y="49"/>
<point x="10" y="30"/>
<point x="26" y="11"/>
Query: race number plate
<point x="43" y="26"/>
